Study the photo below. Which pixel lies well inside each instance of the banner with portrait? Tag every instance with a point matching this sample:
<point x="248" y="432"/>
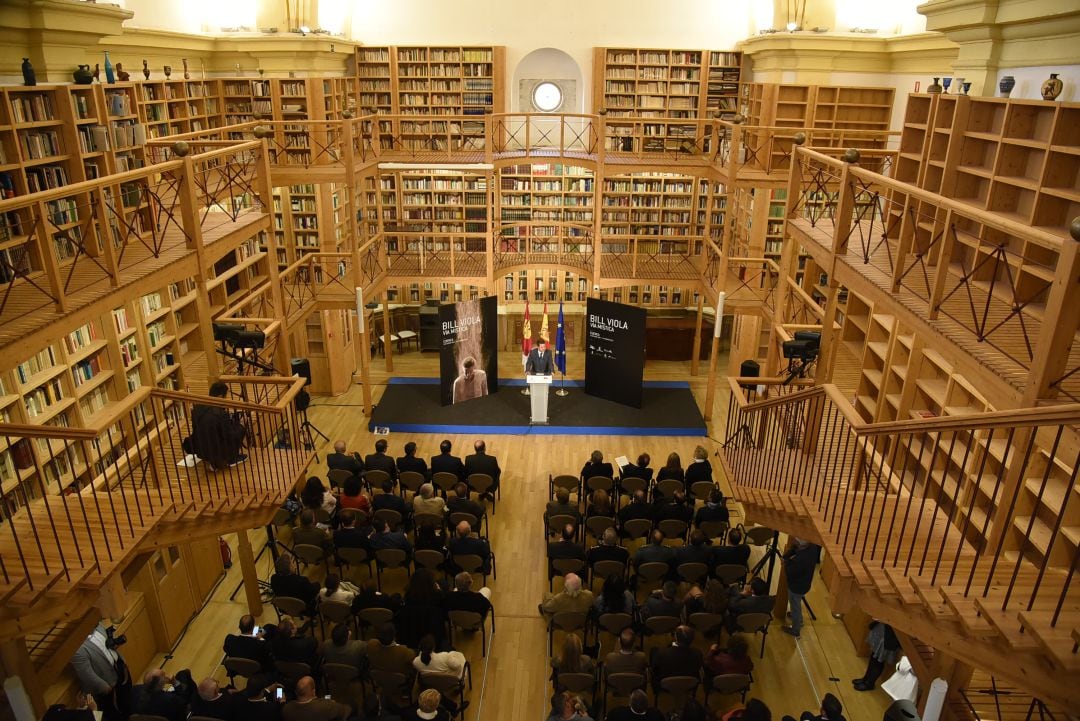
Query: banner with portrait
<point x="469" y="356"/>
<point x="614" y="351"/>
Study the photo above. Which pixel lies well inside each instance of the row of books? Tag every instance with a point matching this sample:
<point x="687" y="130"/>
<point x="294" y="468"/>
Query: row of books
<point x="129" y="351"/>
<point x="42" y="360"/>
<point x="86" y="369"/>
<point x="150" y="303"/>
<point x="45" y="177"/>
<point x="94" y="401"/>
<point x="32" y="108"/>
<point x="41" y="398"/>
<point x="156" y="331"/>
<point x="41" y="144"/>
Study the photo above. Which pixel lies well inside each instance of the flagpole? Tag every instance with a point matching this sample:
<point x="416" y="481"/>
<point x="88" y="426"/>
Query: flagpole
<point x="560" y="353"/>
<point x="562" y="387"/>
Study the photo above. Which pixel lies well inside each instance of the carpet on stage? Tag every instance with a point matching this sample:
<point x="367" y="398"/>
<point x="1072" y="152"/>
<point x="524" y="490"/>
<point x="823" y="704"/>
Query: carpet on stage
<point x="412" y="405"/>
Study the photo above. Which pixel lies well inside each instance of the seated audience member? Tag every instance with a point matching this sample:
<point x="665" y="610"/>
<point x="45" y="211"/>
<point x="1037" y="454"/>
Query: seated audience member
<point x="447" y="463"/>
<point x="655" y="551"/>
<point x="671" y="470"/>
<point x="565" y="546"/>
<point x="607" y="550"/>
<point x="430" y="538"/>
<point x="309" y="707"/>
<point x="699" y="469"/>
<point x="386" y="537"/>
<point x="427" y="502"/>
<point x="734" y="659"/>
<point x="638" y="470"/>
<point x="571" y="660"/>
<point x="465" y="543"/>
<point x="636" y="508"/>
<point x="341" y="460"/>
<point x="614" y="597"/>
<point x="342" y="648"/>
<point x="674" y="506"/>
<point x="697" y="551"/>
<point x="831" y="710"/>
<point x="257" y="703"/>
<point x="316" y="497"/>
<point x="353" y="495"/>
<point x="638" y="710"/>
<point x="714" y="599"/>
<point x="664" y="601"/>
<point x="308" y="533"/>
<point x="481" y="462"/>
<point x="379" y="461"/>
<point x="373" y="710"/>
<point x="755" y="710"/>
<point x="369" y="597"/>
<point x="600" y="504"/>
<point x="287" y="582"/>
<point x="562" y="506"/>
<point x="423" y="611"/>
<point x="753" y="597"/>
<point x="627" y="658"/>
<point x="289" y="644"/>
<point x="216" y="436"/>
<point x="335" y="590"/>
<point x="348" y="535"/>
<point x="566" y="706"/>
<point x="463" y="598"/>
<point x="248" y="644"/>
<point x="160" y="695"/>
<point x="735" y="553"/>
<point x="392" y="501"/>
<point x="459" y="502"/>
<point x="386" y="654"/>
<point x="409" y="461"/>
<point x="428" y="708"/>
<point x="572" y="598"/>
<point x="432" y="661"/>
<point x="596" y="466"/>
<point x="678" y="659"/>
<point x="715" y="509"/>
<point x="209" y="701"/>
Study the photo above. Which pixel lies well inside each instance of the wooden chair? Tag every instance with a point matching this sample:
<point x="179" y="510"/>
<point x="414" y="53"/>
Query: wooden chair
<point x="289" y="606"/>
<point x="373" y="617"/>
<point x="312" y="555"/>
<point x="411" y="481"/>
<point x="428" y="558"/>
<point x="651" y="573"/>
<point x="706" y="623"/>
<point x="570" y="483"/>
<point x="338" y="476"/>
<point x="730" y="573"/>
<point x="381" y="338"/>
<point x="481" y="484"/>
<point x="622" y="685"/>
<point x="759" y="536"/>
<point x="390" y="558"/>
<point x="239" y="666"/>
<point x="406" y="334"/>
<point x="556" y="524"/>
<point x="470" y="621"/>
<point x="339" y="676"/>
<point x="449" y="685"/>
<point x="391" y="684"/>
<point x="472" y="563"/>
<point x="566" y="622"/>
<point x="603" y="569"/>
<point x="701" y="489"/>
<point x="726" y="684"/>
<point x="437" y="520"/>
<point x="336" y="612"/>
<point x="292" y="671"/>
<point x="754" y="623"/>
<point x="660" y="625"/>
<point x="668" y="487"/>
<point x="579" y="683"/>
<point x="322" y="516"/>
<point x="599" y="483"/>
<point x="596" y="525"/>
<point x="692" y="572"/>
<point x="478" y="525"/>
<point x="375" y="479"/>
<point x="714" y="529"/>
<point x="629" y="485"/>
<point x="563" y="566"/>
<point x="613" y="623"/>
<point x="444" y="481"/>
<point x="392" y="517"/>
<point x="681" y="688"/>
<point x="353" y="557"/>
<point x="674" y="528"/>
<point x="636" y="528"/>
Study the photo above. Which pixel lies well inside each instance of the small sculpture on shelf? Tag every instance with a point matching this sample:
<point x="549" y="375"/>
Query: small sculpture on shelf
<point x="121" y="74"/>
<point x="97" y="72"/>
<point x="145" y="69"/>
<point x="1006" y="85"/>
<point x="83" y="75"/>
<point x="1052" y="87"/>
<point x="966" y="86"/>
<point x="935" y="87"/>
<point x="187" y="73"/>
<point x="28" y="75"/>
<point x="168" y="71"/>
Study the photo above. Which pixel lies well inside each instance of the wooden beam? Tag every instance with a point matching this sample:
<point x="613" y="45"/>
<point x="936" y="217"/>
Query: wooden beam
<point x="16" y="661"/>
<point x="250" y="575"/>
<point x="695" y="354"/>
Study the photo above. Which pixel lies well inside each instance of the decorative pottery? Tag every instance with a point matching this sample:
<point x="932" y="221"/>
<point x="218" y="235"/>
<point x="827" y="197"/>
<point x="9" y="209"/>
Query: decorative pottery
<point x="946" y="83"/>
<point x="1051" y="87"/>
<point x="967" y="87"/>
<point x="1006" y="85"/>
<point x="935" y="87"/>
<point x="168" y="71"/>
<point x="187" y="74"/>
<point x="145" y="70"/>
<point x="28" y="75"/>
<point x="83" y="75"/>
<point x="121" y="74"/>
<point x="110" y="74"/>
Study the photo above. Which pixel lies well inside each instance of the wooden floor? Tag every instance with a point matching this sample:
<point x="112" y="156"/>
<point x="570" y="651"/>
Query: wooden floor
<point x="512" y="682"/>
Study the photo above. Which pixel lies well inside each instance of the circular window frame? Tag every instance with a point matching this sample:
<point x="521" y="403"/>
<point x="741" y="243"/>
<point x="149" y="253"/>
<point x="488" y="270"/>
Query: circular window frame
<point x="543" y="85"/>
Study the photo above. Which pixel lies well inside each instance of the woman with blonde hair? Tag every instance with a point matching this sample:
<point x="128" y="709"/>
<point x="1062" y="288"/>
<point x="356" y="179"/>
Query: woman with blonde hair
<point x="572" y="659"/>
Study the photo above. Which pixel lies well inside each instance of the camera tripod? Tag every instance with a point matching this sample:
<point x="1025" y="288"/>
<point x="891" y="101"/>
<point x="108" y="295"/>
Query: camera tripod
<point x="271" y="545"/>
<point x="741" y="438"/>
<point x="308" y="431"/>
<point x="772" y="555"/>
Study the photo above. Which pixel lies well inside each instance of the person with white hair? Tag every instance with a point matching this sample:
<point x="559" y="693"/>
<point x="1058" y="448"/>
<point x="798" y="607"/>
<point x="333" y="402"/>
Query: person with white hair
<point x="572" y="598"/>
<point x="427" y="502"/>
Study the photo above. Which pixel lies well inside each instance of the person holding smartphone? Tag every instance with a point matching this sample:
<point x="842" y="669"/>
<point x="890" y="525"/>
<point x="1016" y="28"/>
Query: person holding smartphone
<point x="261" y="703"/>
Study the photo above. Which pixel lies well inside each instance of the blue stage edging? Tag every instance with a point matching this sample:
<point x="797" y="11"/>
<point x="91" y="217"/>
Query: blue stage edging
<point x="518" y="382"/>
<point x="543" y="430"/>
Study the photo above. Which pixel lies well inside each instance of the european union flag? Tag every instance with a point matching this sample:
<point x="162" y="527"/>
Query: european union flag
<point x="560" y="344"/>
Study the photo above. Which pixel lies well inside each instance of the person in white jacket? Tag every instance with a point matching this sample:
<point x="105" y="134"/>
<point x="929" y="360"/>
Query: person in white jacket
<point x="432" y="661"/>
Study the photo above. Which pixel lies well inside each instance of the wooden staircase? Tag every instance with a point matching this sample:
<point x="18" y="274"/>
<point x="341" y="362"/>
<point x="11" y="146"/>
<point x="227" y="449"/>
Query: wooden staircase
<point x="908" y="555"/>
<point x="60" y="550"/>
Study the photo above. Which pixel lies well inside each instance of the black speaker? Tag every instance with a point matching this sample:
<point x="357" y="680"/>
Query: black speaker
<point x="750" y="369"/>
<point x="301" y="367"/>
<point x="902" y="710"/>
<point x="255" y="339"/>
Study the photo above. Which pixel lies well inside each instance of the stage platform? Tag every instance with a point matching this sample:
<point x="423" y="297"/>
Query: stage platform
<point x="412" y="405"/>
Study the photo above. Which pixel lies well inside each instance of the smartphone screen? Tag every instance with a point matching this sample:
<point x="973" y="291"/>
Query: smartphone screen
<point x="279" y="694"/>
<point x="255" y="631"/>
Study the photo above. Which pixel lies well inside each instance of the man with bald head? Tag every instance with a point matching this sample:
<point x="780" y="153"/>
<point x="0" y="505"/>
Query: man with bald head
<point x="341" y="460"/>
<point x="466" y="543"/>
<point x="481" y="462"/>
<point x="211" y="702"/>
<point x="572" y="598"/>
<point x="308" y="707"/>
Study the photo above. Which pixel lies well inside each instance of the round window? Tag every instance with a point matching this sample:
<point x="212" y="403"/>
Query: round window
<point x="547" y="97"/>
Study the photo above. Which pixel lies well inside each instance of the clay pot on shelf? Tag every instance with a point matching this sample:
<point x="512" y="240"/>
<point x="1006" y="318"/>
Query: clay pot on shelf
<point x="1052" y="87"/>
<point x="1006" y="85"/>
<point x="83" y="75"/>
<point x="935" y="87"/>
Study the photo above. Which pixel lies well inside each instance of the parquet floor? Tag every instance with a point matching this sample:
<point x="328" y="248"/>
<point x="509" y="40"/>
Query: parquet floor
<point x="512" y="682"/>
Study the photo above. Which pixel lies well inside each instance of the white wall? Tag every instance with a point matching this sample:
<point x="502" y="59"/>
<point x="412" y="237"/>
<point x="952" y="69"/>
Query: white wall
<point x="548" y="64"/>
<point x="573" y="26"/>
<point x="1029" y="82"/>
<point x="191" y="16"/>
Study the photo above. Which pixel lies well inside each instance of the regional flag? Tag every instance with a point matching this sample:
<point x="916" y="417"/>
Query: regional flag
<point x="560" y="344"/>
<point x="544" y="325"/>
<point x="526" y="335"/>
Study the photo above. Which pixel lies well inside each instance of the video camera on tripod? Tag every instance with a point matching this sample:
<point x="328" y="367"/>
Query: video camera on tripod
<point x="801" y="353"/>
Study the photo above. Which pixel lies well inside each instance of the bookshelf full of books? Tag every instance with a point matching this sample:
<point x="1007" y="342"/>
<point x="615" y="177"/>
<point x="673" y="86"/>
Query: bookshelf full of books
<point x="237" y="273"/>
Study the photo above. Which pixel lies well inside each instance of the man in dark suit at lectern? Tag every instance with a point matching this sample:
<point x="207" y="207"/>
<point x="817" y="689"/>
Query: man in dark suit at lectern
<point x="540" y="361"/>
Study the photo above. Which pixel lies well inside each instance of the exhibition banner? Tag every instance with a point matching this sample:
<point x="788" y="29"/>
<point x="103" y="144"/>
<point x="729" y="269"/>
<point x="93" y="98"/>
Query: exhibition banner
<point x="469" y="357"/>
<point x="614" y="351"/>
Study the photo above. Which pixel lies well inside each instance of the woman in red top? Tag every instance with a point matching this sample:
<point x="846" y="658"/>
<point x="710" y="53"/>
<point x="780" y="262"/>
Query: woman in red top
<point x="734" y="659"/>
<point x="353" y="497"/>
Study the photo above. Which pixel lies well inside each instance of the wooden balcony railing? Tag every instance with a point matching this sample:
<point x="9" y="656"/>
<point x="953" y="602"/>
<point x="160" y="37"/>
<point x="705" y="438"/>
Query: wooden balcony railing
<point x="317" y="276"/>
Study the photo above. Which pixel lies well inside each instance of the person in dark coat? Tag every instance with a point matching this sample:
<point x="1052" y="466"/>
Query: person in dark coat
<point x="753" y="597"/>
<point x="159" y="695"/>
<point x="211" y="702"/>
<point x="459" y="502"/>
<point x="715" y="509"/>
<point x="287" y="582"/>
<point x="596" y="466"/>
<point x="638" y="470"/>
<point x="465" y="543"/>
<point x="341" y="460"/>
<point x="678" y="659"/>
<point x="800" y="560"/>
<point x="379" y="461"/>
<point x="216" y="437"/>
<point x="447" y="463"/>
<point x="735" y="553"/>
<point x="290" y="645"/>
<point x="481" y="462"/>
<point x="699" y="469"/>
<point x="409" y="461"/>
<point x="248" y="644"/>
<point x="463" y="598"/>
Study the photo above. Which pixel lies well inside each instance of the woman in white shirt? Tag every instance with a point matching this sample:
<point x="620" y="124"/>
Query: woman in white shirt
<point x="334" y="591"/>
<point x="438" y="662"/>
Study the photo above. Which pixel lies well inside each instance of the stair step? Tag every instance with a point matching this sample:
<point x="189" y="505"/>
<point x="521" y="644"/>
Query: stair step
<point x="26" y="595"/>
<point x="967" y="612"/>
<point x="1060" y="642"/>
<point x="904" y="588"/>
<point x="1007" y="625"/>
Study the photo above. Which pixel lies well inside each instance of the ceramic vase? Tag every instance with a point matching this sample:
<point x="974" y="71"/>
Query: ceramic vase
<point x="83" y="75"/>
<point x="168" y="71"/>
<point x="110" y="74"/>
<point x="28" y="75"/>
<point x="1051" y="87"/>
<point x="145" y="70"/>
<point x="967" y="87"/>
<point x="935" y="87"/>
<point x="187" y="74"/>
<point x="946" y="83"/>
<point x="1006" y="85"/>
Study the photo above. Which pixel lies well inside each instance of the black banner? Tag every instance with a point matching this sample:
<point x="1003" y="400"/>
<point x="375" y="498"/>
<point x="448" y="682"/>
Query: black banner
<point x="614" y="351"/>
<point x="469" y="357"/>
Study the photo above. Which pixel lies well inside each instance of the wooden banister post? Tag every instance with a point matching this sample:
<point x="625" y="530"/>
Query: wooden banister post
<point x="845" y="206"/>
<point x="48" y="256"/>
<point x="247" y="570"/>
<point x="941" y="276"/>
<point x="710" y="389"/>
<point x="1059" y="322"/>
<point x="695" y="358"/>
<point x="388" y="352"/>
<point x="15" y="660"/>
